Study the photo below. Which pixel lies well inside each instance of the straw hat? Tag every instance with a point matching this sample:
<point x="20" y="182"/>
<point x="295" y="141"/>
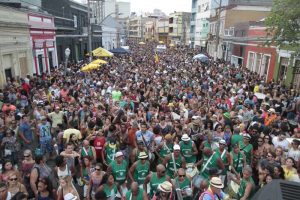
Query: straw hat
<point x="216" y="182"/>
<point x="165" y="187"/>
<point x="185" y="137"/>
<point x="143" y="155"/>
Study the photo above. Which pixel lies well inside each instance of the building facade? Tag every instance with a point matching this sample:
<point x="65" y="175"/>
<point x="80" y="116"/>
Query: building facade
<point x="162" y="29"/>
<point x="179" y="28"/>
<point x="43" y="42"/>
<point x="71" y="22"/>
<point x="15" y="48"/>
<point x="136" y="27"/>
<point x="221" y="31"/>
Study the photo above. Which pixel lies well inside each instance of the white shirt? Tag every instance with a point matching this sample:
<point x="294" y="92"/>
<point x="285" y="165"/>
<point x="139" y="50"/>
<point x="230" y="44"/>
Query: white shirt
<point x="294" y="154"/>
<point x="284" y="143"/>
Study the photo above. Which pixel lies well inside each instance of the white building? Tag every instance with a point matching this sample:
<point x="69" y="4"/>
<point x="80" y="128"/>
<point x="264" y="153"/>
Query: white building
<point x="110" y="33"/>
<point x="15" y="48"/>
<point x="123" y="7"/>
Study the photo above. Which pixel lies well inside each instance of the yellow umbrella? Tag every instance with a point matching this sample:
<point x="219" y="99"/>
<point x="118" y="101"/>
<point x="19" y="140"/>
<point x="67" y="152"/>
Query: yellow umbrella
<point x="98" y="61"/>
<point x="172" y="45"/>
<point x="142" y="43"/>
<point x="161" y="42"/>
<point x="100" y="52"/>
<point x="85" y="69"/>
<point x="93" y="66"/>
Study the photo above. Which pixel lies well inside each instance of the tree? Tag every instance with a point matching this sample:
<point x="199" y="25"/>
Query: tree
<point x="284" y="24"/>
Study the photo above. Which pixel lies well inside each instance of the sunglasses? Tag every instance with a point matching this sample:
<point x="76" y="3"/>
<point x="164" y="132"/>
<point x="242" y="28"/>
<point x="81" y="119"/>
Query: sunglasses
<point x="163" y="172"/>
<point x="26" y="156"/>
<point x="181" y="175"/>
<point x="13" y="179"/>
<point x="98" y="169"/>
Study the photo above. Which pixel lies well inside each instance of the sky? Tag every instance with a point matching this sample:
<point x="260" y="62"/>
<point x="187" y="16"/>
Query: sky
<point x="166" y="6"/>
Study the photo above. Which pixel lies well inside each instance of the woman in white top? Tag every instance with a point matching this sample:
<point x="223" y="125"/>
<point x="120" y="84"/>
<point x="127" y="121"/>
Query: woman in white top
<point x="62" y="168"/>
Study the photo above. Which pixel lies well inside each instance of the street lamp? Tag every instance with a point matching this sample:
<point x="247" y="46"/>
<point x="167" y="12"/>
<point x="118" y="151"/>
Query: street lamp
<point x="67" y="54"/>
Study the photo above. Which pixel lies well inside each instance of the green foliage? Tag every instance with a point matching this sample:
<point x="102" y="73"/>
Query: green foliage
<point x="284" y="23"/>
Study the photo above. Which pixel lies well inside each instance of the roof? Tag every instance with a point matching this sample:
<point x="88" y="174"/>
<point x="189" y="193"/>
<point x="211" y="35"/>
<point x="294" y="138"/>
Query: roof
<point x="111" y="22"/>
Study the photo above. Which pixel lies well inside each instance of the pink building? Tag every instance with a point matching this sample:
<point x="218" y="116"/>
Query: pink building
<point x="43" y="40"/>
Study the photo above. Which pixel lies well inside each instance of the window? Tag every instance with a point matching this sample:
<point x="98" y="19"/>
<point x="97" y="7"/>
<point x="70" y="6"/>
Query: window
<point x="75" y="21"/>
<point x="251" y="61"/>
<point x="199" y="9"/>
<point x="258" y="63"/>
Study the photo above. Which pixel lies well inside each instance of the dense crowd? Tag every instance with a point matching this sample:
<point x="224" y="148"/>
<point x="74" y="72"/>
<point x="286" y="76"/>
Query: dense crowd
<point x="147" y="126"/>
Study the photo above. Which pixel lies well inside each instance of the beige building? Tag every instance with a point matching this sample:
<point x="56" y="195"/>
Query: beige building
<point x="136" y="27"/>
<point x="162" y="28"/>
<point x="179" y="27"/>
<point x="228" y="19"/>
<point x="15" y="49"/>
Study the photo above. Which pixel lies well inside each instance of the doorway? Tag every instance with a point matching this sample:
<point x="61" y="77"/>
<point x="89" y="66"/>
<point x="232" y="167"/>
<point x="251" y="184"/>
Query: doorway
<point x="40" y="60"/>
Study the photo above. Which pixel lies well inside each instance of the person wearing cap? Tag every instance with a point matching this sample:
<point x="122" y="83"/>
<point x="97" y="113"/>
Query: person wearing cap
<point x="140" y="169"/>
<point x="214" y="190"/>
<point x="155" y="178"/>
<point x="184" y="184"/>
<point x="136" y="193"/>
<point x="271" y="117"/>
<point x="188" y="149"/>
<point x="224" y="155"/>
<point x="44" y="133"/>
<point x="174" y="157"/>
<point x="164" y="191"/>
<point x="119" y="168"/>
<point x="238" y="160"/>
<point x="247" y="148"/>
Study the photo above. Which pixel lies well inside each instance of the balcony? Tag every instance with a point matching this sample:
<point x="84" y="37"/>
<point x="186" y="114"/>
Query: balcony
<point x="193" y="23"/>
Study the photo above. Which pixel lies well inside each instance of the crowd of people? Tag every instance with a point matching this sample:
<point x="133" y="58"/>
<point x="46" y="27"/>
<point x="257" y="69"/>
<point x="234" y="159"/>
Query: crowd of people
<point x="147" y="125"/>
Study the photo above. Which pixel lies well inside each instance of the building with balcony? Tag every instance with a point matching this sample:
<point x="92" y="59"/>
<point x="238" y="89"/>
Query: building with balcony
<point x="136" y="27"/>
<point x="179" y="28"/>
<point x="71" y="23"/>
<point x="222" y="28"/>
<point x="162" y="29"/>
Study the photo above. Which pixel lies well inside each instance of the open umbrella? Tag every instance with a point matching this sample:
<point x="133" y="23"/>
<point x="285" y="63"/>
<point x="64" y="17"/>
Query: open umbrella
<point x="260" y="95"/>
<point x="172" y="45"/>
<point x="98" y="61"/>
<point x="142" y="43"/>
<point x="201" y="57"/>
<point x="100" y="52"/>
<point x="161" y="42"/>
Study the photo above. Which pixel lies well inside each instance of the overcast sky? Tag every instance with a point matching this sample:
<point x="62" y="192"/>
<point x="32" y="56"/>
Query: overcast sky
<point x="167" y="6"/>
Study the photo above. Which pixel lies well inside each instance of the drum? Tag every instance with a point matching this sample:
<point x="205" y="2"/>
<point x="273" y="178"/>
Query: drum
<point x="191" y="170"/>
<point x="197" y="181"/>
<point x="232" y="190"/>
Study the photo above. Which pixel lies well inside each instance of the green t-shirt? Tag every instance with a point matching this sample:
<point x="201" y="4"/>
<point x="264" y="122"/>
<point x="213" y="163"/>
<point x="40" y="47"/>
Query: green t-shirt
<point x="237" y="161"/>
<point x="243" y="186"/>
<point x="141" y="171"/>
<point x="165" y="150"/>
<point x="110" y="192"/>
<point x="247" y="151"/>
<point x="154" y="182"/>
<point x="212" y="163"/>
<point x="184" y="185"/>
<point x="224" y="159"/>
<point x="235" y="139"/>
<point x="170" y="165"/>
<point x="110" y="154"/>
<point x="138" y="197"/>
<point x="187" y="151"/>
<point x="119" y="171"/>
<point x="116" y="95"/>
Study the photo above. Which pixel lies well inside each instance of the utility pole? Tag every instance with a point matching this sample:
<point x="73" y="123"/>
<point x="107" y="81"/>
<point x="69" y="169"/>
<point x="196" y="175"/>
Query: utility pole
<point x="118" y="28"/>
<point x="89" y="31"/>
<point x="218" y="12"/>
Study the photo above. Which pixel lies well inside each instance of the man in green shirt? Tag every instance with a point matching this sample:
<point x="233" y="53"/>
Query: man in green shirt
<point x="119" y="168"/>
<point x="188" y="149"/>
<point x="140" y="169"/>
<point x="247" y="185"/>
<point x="174" y="157"/>
<point x="236" y="137"/>
<point x="116" y="94"/>
<point x="136" y="193"/>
